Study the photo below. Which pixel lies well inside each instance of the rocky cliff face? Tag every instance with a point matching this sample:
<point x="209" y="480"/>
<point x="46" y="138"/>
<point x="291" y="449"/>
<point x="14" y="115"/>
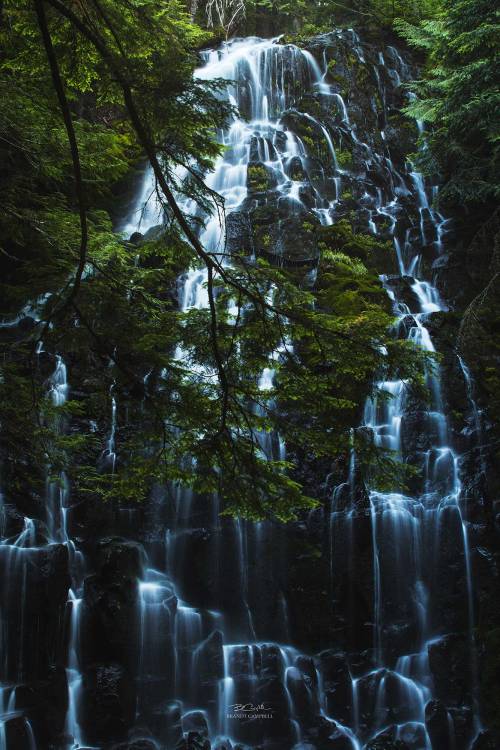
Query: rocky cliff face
<point x="370" y="623"/>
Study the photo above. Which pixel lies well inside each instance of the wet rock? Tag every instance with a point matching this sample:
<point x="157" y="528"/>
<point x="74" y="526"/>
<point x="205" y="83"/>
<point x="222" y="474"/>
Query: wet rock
<point x="353" y="593"/>
<point x="136" y="238"/>
<point x="223" y="745"/>
<point x="295" y="169"/>
<point x="413" y="735"/>
<point x="292" y="239"/>
<point x="386" y="741"/>
<point x="210" y="658"/>
<point x="384" y="698"/>
<point x="154" y="233"/>
<point x="11" y="521"/>
<point x="163" y="722"/>
<point x="110" y="605"/>
<point x="271" y="693"/>
<point x="210" y="666"/>
<point x="239" y="239"/>
<point x="89" y="518"/>
<point x="437" y="722"/>
<point x="330" y="737"/>
<point x="193" y="741"/>
<point x="18" y="733"/>
<point x="449" y="662"/>
<point x="45" y="702"/>
<point x="337" y="685"/>
<point x="139" y="744"/>
<point x="260" y="179"/>
<point x="302" y="698"/>
<point x="108" y="703"/>
<point x="195" y="722"/>
<point x="32" y="622"/>
<point x="485" y="741"/>
<point x="119" y="558"/>
<point x="401" y="286"/>
<point x="17" y="331"/>
<point x="463" y="726"/>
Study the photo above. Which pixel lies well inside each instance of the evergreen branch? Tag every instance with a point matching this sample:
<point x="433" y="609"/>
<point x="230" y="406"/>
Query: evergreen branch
<point x="75" y="156"/>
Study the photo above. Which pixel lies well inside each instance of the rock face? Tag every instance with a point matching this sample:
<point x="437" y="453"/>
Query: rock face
<point x="166" y="626"/>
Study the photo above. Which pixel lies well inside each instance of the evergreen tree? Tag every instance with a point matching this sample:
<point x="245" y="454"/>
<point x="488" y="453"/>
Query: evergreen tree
<point x="459" y="97"/>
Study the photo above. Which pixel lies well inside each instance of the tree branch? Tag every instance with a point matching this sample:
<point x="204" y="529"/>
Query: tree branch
<point x="75" y="156"/>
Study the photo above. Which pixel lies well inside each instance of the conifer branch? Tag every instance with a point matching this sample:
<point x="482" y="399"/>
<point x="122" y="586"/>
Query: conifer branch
<point x="73" y="144"/>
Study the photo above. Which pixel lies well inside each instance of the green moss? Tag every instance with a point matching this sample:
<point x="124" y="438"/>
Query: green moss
<point x="362" y="75"/>
<point x="308" y="141"/>
<point x="307" y="226"/>
<point x="341" y="237"/>
<point x="257" y="178"/>
<point x="344" y="158"/>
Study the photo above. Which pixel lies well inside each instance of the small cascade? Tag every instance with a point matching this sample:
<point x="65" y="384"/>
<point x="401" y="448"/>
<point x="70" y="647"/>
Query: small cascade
<point x="73" y="673"/>
<point x="109" y="454"/>
<point x="57" y="490"/>
<point x="157" y="659"/>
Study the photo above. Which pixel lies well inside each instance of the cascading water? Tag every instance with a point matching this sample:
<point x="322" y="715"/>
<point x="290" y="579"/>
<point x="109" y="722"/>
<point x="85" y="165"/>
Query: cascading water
<point x="209" y="641"/>
<point x="406" y="531"/>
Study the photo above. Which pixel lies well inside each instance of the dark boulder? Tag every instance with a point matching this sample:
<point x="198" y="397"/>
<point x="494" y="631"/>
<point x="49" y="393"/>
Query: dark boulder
<point x="118" y="558"/>
<point x="437" y="722"/>
<point x="168" y="726"/>
<point x="463" y="726"/>
<point x="193" y="741"/>
<point x="110" y="605"/>
<point x="239" y="239"/>
<point x="108" y="703"/>
<point x="328" y="736"/>
<point x="304" y="705"/>
<point x="485" y="741"/>
<point x="195" y="722"/>
<point x="136" y="238"/>
<point x="32" y="623"/>
<point x="18" y="734"/>
<point x="210" y="665"/>
<point x="412" y="735"/>
<point x="337" y="685"/>
<point x="402" y="287"/>
<point x="45" y="702"/>
<point x="386" y="741"/>
<point x="449" y="662"/>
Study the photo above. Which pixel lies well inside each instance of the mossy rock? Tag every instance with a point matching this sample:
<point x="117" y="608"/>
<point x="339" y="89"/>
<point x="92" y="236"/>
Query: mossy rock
<point x="259" y="179"/>
<point x="265" y="214"/>
<point x="341" y="237"/>
<point x="289" y="240"/>
<point x="344" y="158"/>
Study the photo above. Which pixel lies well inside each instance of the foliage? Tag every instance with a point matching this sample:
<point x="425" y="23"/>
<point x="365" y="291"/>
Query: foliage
<point x="307" y="18"/>
<point x="459" y="97"/>
<point x="190" y="409"/>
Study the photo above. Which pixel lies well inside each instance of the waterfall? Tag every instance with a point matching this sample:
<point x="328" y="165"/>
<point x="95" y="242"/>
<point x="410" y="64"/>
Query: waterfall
<point x="406" y="530"/>
<point x="210" y="650"/>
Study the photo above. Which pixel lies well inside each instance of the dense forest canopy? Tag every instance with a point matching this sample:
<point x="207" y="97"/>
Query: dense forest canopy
<point x="92" y="90"/>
